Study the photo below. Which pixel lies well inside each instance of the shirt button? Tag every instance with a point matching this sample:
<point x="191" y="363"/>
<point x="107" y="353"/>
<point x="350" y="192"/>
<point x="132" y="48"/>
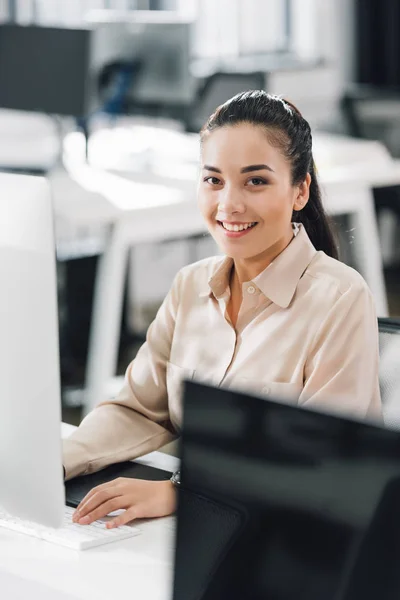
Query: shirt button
<point x="266" y="389"/>
<point x="251" y="289"/>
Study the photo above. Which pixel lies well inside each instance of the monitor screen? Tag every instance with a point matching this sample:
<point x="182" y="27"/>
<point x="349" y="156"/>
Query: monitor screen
<point x="44" y="69"/>
<point x="282" y="503"/>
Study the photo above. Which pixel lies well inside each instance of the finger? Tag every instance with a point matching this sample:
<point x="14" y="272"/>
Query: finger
<point x="92" y="503"/>
<point x="100" y="488"/>
<point x="103" y="510"/>
<point x="129" y="515"/>
<point x="95" y="490"/>
<point x="110" y="485"/>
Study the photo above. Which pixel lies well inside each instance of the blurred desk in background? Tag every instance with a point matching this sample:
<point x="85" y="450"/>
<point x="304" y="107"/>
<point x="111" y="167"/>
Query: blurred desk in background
<point x="28" y="143"/>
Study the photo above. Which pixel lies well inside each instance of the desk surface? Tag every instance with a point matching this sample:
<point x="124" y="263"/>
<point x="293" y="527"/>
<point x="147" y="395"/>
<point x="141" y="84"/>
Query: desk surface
<point x="140" y="567"/>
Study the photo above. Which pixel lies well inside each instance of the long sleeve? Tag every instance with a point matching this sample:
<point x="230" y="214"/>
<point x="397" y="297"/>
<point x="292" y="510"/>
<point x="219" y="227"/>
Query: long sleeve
<point x="137" y="420"/>
<point x="342" y="370"/>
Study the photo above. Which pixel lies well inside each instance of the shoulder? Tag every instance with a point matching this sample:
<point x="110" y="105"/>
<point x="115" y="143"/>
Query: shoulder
<point x="334" y="277"/>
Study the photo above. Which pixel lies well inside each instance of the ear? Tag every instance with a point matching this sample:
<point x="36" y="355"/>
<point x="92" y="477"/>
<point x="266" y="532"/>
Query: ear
<point x="303" y="193"/>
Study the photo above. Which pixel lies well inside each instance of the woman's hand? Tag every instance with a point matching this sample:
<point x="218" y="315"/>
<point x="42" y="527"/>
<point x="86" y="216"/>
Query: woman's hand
<point x="140" y="499"/>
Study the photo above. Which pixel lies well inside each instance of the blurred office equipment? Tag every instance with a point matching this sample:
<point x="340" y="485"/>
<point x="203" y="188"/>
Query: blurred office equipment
<point x="371" y="103"/>
<point x="118" y="62"/>
<point x="297" y="500"/>
<point x="160" y="43"/>
<point x="377" y="43"/>
<point x="44" y="69"/>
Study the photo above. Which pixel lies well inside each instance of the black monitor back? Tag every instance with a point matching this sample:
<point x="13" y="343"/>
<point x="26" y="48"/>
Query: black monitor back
<point x="280" y="503"/>
<point x="44" y="69"/>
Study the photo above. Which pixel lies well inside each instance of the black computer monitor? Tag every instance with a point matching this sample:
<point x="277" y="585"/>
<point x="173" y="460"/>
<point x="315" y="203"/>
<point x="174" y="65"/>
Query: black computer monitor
<point x="44" y="69"/>
<point x="282" y="503"/>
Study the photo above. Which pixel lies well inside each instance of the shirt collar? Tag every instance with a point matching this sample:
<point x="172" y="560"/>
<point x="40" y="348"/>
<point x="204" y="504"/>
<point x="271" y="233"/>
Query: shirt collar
<point x="279" y="280"/>
<point x="219" y="280"/>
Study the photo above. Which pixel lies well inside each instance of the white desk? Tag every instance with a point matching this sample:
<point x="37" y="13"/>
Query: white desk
<point x="141" y="186"/>
<point x="141" y="567"/>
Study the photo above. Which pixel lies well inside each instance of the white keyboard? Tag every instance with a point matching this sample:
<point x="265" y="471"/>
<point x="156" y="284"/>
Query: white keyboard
<point x="72" y="535"/>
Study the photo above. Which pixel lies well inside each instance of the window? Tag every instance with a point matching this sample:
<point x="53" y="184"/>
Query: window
<point x="238" y="27"/>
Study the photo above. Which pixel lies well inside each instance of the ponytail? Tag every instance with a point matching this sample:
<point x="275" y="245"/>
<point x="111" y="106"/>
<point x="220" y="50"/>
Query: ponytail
<point x="315" y="220"/>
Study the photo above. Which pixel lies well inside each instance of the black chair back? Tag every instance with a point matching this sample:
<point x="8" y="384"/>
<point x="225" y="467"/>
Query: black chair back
<point x="389" y="372"/>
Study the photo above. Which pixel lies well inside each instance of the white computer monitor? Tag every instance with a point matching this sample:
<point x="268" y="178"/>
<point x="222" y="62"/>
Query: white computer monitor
<point x="31" y="478"/>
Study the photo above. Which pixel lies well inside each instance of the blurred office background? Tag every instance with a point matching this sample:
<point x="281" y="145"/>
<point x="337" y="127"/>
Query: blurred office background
<point x="105" y="98"/>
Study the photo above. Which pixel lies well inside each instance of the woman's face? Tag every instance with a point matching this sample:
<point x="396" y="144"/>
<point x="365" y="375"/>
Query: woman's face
<point x="245" y="192"/>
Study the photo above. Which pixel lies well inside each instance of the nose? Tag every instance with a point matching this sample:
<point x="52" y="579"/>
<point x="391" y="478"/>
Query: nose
<point x="231" y="201"/>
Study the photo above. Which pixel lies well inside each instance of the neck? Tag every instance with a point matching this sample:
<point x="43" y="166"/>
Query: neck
<point x="248" y="268"/>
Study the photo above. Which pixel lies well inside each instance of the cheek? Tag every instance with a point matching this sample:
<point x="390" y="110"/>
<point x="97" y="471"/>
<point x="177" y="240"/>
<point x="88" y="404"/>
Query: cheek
<point x="274" y="207"/>
<point x="206" y="202"/>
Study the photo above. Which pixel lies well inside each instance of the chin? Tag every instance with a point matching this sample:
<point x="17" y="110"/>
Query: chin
<point x="237" y="253"/>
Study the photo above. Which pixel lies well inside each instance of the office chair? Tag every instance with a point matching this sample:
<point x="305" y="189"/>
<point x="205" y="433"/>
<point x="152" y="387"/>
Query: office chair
<point x="360" y="100"/>
<point x="389" y="371"/>
<point x="217" y="89"/>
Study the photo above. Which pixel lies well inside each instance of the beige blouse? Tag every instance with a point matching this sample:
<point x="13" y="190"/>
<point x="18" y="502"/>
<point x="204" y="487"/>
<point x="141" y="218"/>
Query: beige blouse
<point x="306" y="333"/>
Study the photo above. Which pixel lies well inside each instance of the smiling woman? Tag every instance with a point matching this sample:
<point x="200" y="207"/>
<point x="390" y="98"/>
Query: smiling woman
<point x="277" y="315"/>
<point x="257" y="125"/>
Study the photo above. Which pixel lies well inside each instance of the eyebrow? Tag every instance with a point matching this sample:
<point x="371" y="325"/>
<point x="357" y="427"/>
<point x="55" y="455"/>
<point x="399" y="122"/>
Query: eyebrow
<point x="248" y="169"/>
<point x="251" y="168"/>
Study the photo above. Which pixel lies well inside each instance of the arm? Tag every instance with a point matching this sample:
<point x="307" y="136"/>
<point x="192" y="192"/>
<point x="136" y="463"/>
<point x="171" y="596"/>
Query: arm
<point x="342" y="370"/>
<point x="137" y="420"/>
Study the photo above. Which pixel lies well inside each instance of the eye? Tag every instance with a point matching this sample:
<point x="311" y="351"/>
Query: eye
<point x="257" y="181"/>
<point x="212" y="180"/>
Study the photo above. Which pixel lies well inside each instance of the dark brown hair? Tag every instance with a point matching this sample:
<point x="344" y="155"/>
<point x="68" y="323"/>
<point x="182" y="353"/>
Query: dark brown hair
<point x="290" y="132"/>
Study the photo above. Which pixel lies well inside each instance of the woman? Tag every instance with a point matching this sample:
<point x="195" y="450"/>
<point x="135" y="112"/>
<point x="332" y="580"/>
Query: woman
<point x="278" y="314"/>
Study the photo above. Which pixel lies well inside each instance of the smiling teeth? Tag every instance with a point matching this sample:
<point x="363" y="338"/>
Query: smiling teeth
<point x="236" y="228"/>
